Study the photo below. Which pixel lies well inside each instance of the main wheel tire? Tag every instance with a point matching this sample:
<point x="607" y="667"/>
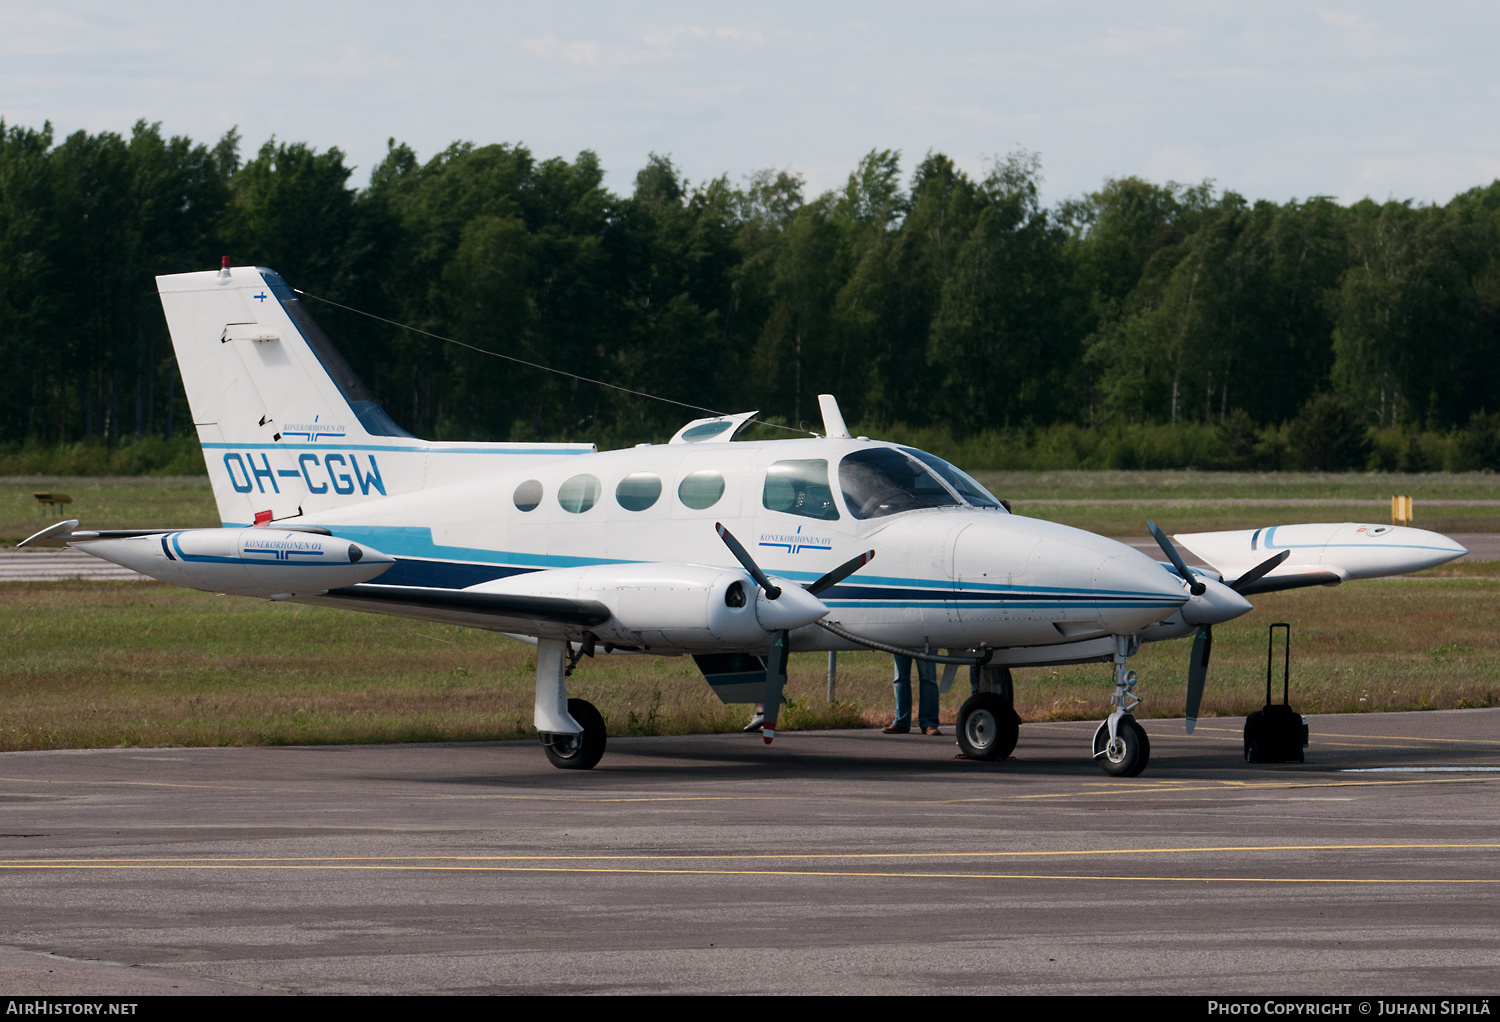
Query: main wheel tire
<point x="988" y="728"/>
<point x="1129" y="752"/>
<point x="582" y="751"/>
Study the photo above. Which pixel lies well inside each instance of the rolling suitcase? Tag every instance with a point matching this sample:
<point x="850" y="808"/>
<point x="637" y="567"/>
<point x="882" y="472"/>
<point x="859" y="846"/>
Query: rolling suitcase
<point x="1276" y="733"/>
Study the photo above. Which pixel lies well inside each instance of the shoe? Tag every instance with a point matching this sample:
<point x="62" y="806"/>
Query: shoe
<point x="757" y="722"/>
<point x="895" y="729"/>
<point x="930" y="730"/>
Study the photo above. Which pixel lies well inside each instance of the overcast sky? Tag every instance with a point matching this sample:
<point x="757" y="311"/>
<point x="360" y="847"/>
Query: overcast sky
<point x="1274" y="100"/>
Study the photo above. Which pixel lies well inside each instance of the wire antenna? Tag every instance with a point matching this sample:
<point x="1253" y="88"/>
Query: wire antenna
<point x="536" y="365"/>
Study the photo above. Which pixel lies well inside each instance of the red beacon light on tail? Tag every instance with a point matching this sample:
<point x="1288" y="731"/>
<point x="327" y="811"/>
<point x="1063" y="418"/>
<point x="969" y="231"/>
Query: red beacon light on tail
<point x="224" y="266"/>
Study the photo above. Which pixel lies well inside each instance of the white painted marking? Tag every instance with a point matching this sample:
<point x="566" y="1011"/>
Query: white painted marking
<point x="1422" y="770"/>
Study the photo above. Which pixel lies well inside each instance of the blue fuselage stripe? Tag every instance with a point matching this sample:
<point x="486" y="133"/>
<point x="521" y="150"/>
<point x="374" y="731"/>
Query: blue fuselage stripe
<point x="439" y="574"/>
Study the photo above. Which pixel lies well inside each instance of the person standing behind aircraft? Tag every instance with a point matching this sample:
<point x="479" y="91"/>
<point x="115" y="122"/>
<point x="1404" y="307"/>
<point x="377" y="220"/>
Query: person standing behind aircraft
<point x="927" y="705"/>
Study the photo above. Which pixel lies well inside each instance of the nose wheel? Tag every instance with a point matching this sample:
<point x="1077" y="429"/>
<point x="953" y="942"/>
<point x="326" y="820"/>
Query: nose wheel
<point x="1120" y="744"/>
<point x="1122" y="750"/>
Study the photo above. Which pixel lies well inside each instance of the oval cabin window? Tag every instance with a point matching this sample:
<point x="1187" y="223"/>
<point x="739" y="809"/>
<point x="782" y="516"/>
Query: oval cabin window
<point x="701" y="489"/>
<point x="528" y="495"/>
<point x="638" y="491"/>
<point x="578" y="494"/>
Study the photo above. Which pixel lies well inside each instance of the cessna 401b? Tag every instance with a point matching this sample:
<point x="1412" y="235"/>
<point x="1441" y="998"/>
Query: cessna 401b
<point x="734" y="553"/>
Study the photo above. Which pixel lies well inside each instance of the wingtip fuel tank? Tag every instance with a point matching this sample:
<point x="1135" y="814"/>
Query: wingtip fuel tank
<point x="245" y="562"/>
<point x="1351" y="550"/>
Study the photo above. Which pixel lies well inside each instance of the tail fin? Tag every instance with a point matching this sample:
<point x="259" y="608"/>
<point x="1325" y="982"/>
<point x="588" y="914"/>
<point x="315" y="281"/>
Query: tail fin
<point x="286" y="425"/>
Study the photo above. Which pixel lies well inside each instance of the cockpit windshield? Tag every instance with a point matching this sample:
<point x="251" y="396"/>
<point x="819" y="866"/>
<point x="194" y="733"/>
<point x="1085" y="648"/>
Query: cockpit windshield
<point x="882" y="481"/>
<point x="967" y="486"/>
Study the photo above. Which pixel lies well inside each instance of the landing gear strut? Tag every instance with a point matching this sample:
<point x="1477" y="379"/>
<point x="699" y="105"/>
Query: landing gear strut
<point x="572" y="730"/>
<point x="1120" y="744"/>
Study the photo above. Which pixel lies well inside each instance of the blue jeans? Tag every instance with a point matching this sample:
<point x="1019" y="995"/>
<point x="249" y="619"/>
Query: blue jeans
<point x="927" y="706"/>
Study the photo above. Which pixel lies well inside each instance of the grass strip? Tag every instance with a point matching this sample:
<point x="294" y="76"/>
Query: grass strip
<point x="89" y="665"/>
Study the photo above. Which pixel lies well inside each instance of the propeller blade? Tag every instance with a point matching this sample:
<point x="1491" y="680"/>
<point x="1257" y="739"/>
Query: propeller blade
<point x="1203" y="645"/>
<point x="840" y="573"/>
<point x="1256" y="573"/>
<point x="1194" y="586"/>
<point x="743" y="556"/>
<point x="775" y="684"/>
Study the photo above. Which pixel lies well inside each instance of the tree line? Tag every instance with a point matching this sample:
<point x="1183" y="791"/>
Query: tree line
<point x="932" y="302"/>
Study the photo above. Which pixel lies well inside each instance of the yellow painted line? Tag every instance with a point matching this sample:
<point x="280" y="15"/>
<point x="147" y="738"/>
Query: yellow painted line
<point x="1347" y="745"/>
<point x="1367" y="745"/>
<point x="1396" y="738"/>
<point x="862" y="874"/>
<point x="1411" y="738"/>
<point x="748" y="857"/>
<point x="1240" y="786"/>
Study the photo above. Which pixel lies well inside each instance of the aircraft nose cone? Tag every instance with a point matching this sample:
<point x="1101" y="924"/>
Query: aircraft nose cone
<point x="1135" y="591"/>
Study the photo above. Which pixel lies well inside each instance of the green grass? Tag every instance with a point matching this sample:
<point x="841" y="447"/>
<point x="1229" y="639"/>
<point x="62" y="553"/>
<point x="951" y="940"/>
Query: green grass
<point x="87" y="665"/>
<point x="106" y="502"/>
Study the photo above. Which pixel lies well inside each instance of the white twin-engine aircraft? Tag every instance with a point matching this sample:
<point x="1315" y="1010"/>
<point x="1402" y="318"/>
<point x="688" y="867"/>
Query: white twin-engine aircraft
<point x="734" y="553"/>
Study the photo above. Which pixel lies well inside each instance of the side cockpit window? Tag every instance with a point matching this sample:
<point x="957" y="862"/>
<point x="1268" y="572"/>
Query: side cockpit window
<point x="882" y="481"/>
<point x="969" y="488"/>
<point x="800" y="488"/>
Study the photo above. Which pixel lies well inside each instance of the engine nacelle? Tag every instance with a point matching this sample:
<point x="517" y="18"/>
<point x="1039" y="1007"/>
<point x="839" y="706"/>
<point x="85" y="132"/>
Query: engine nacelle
<point x="245" y="562"/>
<point x="683" y="605"/>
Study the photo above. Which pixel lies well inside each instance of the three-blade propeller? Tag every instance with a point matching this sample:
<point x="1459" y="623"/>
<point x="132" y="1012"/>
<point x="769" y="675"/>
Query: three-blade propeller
<point x="1203" y="643"/>
<point x="776" y="661"/>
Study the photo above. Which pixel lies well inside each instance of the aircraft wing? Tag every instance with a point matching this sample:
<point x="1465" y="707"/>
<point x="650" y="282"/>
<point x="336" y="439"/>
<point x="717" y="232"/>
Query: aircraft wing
<point x="1320" y="554"/>
<point x="500" y="612"/>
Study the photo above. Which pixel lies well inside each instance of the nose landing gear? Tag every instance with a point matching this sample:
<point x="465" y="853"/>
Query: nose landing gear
<point x="1120" y="743"/>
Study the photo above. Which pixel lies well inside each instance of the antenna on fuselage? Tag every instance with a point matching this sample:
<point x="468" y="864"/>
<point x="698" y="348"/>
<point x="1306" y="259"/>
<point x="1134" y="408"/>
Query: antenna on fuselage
<point x="833" y="419"/>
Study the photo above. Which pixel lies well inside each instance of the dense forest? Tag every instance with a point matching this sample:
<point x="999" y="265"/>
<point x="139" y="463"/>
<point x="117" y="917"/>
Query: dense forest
<point x="1142" y="325"/>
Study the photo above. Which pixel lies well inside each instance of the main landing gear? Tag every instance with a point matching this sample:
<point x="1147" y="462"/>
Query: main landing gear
<point x="1120" y="744"/>
<point x="988" y="725"/>
<point x="572" y="730"/>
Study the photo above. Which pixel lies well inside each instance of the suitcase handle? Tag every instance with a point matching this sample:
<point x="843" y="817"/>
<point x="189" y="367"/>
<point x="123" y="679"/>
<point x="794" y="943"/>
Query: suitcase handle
<point x="1286" y="669"/>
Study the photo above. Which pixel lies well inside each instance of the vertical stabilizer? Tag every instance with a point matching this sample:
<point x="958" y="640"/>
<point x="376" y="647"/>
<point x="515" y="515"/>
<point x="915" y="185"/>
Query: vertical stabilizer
<point x="286" y="425"/>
